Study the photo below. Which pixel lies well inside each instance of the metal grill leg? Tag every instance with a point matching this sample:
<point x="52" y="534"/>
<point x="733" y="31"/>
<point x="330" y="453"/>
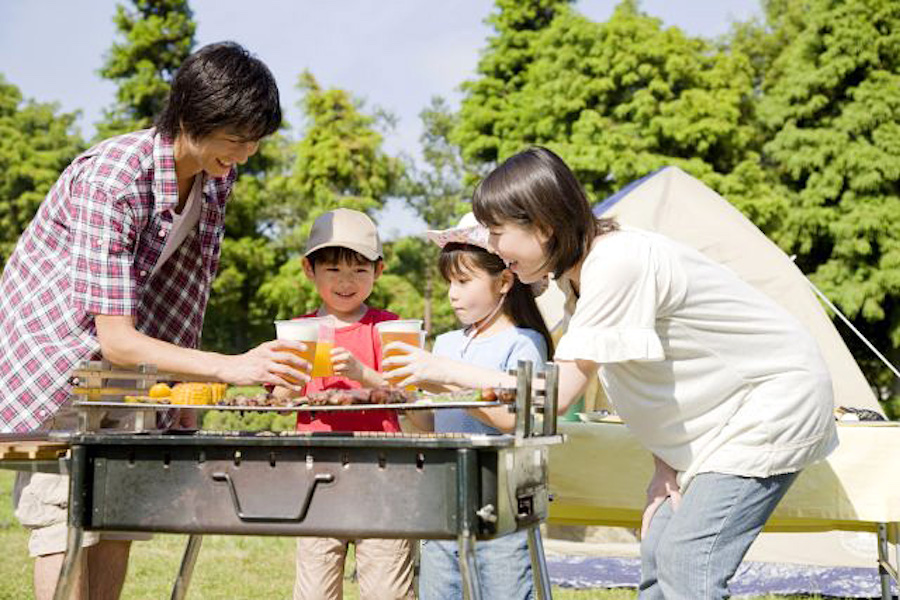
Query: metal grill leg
<point x="183" y="581"/>
<point x="539" y="564"/>
<point x="68" y="573"/>
<point x="468" y="568"/>
<point x="886" y="571"/>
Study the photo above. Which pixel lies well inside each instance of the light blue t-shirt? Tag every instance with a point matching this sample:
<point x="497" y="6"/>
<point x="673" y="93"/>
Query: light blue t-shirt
<point x="500" y="352"/>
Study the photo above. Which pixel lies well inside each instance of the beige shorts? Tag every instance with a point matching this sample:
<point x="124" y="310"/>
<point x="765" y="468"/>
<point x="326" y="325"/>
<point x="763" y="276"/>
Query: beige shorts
<point x="384" y="568"/>
<point x="41" y="502"/>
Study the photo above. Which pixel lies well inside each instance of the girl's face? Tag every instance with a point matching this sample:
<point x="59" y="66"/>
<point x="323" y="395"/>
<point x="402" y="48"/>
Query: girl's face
<point x="522" y="248"/>
<point x="475" y="293"/>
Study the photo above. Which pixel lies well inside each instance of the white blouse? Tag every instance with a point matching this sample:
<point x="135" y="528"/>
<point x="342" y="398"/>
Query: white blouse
<point x="709" y="373"/>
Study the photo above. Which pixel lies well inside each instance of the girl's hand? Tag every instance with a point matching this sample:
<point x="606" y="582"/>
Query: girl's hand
<point x="663" y="485"/>
<point x="414" y="365"/>
<point x="343" y="363"/>
<point x="272" y="362"/>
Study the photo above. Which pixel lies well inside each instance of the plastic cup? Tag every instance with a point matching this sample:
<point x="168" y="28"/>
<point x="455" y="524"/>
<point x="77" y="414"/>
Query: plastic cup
<point x="317" y="335"/>
<point x="408" y="331"/>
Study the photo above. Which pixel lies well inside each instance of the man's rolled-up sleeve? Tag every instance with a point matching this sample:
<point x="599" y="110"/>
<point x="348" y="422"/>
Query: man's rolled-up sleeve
<point x="102" y="253"/>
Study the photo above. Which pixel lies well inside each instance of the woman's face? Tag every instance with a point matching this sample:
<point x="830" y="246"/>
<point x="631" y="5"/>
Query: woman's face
<point x="522" y="248"/>
<point x="474" y="294"/>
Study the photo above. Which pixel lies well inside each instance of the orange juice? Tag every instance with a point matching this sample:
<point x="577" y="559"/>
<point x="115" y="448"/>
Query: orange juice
<point x="321" y="359"/>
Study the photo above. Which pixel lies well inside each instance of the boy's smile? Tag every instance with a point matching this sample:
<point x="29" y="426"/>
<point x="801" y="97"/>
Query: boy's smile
<point x="343" y="287"/>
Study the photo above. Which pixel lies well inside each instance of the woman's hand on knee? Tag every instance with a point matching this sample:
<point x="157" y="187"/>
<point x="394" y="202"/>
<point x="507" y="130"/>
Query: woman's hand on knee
<point x="663" y="486"/>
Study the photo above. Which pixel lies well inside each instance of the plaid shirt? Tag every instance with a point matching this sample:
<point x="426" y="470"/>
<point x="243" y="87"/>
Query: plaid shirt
<point x="90" y="250"/>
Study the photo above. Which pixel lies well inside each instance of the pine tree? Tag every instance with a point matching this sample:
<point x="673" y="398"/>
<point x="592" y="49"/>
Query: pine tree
<point x="832" y="108"/>
<point x="486" y="113"/>
<point x="159" y="35"/>
<point x="622" y="98"/>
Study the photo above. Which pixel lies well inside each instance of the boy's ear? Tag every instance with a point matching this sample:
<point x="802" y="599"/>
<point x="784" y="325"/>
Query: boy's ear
<point x="379" y="268"/>
<point x="308" y="268"/>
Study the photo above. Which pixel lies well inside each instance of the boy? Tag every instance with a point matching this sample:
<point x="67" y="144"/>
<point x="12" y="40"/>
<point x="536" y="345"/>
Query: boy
<point x="343" y="258"/>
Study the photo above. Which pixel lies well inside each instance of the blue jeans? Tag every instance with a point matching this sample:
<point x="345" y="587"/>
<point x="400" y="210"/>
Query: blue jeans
<point x="504" y="569"/>
<point x="693" y="553"/>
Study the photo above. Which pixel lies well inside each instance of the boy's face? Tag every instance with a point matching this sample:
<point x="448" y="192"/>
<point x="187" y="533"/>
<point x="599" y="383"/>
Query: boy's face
<point x="343" y="287"/>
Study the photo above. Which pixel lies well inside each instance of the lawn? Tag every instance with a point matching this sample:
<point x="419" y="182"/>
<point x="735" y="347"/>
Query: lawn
<point x="228" y="567"/>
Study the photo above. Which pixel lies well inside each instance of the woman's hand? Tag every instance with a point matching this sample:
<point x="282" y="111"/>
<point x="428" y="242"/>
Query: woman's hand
<point x="415" y="365"/>
<point x="272" y="362"/>
<point x="343" y="363"/>
<point x="663" y="485"/>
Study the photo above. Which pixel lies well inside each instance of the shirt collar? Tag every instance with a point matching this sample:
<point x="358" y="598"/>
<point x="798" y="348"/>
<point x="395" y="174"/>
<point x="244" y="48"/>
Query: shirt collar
<point x="165" y="182"/>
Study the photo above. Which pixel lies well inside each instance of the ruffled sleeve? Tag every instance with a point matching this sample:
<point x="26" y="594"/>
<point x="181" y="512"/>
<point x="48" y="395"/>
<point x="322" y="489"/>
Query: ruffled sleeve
<point x="614" y="319"/>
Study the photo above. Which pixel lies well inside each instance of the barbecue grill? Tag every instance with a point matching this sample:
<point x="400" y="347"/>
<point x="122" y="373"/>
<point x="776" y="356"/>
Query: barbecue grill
<point x="466" y="487"/>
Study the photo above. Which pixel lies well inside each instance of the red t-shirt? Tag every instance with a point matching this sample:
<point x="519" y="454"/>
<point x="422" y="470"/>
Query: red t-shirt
<point x="362" y="340"/>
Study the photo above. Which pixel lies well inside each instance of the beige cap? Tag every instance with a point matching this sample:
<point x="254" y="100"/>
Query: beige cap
<point x="345" y="228"/>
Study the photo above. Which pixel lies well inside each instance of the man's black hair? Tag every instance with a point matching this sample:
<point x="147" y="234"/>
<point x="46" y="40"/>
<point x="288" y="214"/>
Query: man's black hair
<point x="221" y="86"/>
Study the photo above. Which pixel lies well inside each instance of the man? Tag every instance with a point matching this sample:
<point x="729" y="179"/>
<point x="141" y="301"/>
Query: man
<point x="118" y="262"/>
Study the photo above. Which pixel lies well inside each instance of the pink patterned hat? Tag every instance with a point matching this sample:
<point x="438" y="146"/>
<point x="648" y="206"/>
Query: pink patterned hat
<point x="467" y="231"/>
<point x="470" y="231"/>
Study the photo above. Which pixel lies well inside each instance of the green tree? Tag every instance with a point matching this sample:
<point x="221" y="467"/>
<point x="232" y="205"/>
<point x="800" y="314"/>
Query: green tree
<point x="487" y="110"/>
<point x="622" y="98"/>
<point x="832" y="108"/>
<point x="159" y="35"/>
<point x="36" y="143"/>
<point x="436" y="193"/>
<point x="338" y="162"/>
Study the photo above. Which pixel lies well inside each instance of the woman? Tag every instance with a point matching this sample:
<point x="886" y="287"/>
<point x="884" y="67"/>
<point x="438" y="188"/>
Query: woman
<point x="722" y="385"/>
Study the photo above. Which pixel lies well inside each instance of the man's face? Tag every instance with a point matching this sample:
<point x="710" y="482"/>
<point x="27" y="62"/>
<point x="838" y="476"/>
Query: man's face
<point x="219" y="151"/>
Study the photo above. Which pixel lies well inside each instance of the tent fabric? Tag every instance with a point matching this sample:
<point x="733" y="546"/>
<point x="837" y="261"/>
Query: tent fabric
<point x="673" y="203"/>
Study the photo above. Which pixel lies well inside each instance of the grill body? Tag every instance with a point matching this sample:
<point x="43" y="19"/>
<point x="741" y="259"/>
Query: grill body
<point x="410" y="487"/>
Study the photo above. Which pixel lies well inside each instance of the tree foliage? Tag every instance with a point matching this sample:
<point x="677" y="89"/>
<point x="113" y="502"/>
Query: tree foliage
<point x="158" y="36"/>
<point x="831" y="107"/>
<point x="37" y="142"/>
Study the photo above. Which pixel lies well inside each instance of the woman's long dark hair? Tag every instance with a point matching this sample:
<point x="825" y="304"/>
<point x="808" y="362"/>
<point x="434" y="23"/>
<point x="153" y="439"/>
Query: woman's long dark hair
<point x="458" y="260"/>
<point x="535" y="189"/>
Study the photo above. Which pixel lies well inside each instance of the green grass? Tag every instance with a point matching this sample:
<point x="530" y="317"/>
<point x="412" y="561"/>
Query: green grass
<point x="228" y="567"/>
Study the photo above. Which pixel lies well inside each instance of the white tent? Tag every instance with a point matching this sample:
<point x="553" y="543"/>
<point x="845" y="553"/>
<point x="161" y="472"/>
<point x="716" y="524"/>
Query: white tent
<point x="673" y="203"/>
<point x="681" y="207"/>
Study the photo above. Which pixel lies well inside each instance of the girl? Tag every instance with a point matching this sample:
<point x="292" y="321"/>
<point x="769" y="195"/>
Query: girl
<point x="722" y="385"/>
<point x="501" y="325"/>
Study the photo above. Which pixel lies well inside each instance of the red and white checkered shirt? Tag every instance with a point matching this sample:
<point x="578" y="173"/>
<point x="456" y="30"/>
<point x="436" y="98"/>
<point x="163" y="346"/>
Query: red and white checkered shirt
<point x="90" y="250"/>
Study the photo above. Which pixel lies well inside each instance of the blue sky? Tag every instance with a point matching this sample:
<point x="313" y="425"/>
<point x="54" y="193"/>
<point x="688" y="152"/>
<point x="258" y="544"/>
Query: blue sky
<point x="395" y="54"/>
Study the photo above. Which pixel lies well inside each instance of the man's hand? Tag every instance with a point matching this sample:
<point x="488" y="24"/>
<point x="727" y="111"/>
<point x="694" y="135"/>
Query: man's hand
<point x="272" y="362"/>
<point x="663" y="485"/>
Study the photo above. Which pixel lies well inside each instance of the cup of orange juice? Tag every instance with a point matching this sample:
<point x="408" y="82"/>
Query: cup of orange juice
<point x="408" y="331"/>
<point x="317" y="335"/>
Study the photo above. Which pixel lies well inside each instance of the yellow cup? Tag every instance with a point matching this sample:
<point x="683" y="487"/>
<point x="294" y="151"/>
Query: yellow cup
<point x="408" y="331"/>
<point x="317" y="335"/>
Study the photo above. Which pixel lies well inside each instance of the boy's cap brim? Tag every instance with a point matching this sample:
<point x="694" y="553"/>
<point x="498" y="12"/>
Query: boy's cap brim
<point x="345" y="228"/>
<point x="363" y="249"/>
